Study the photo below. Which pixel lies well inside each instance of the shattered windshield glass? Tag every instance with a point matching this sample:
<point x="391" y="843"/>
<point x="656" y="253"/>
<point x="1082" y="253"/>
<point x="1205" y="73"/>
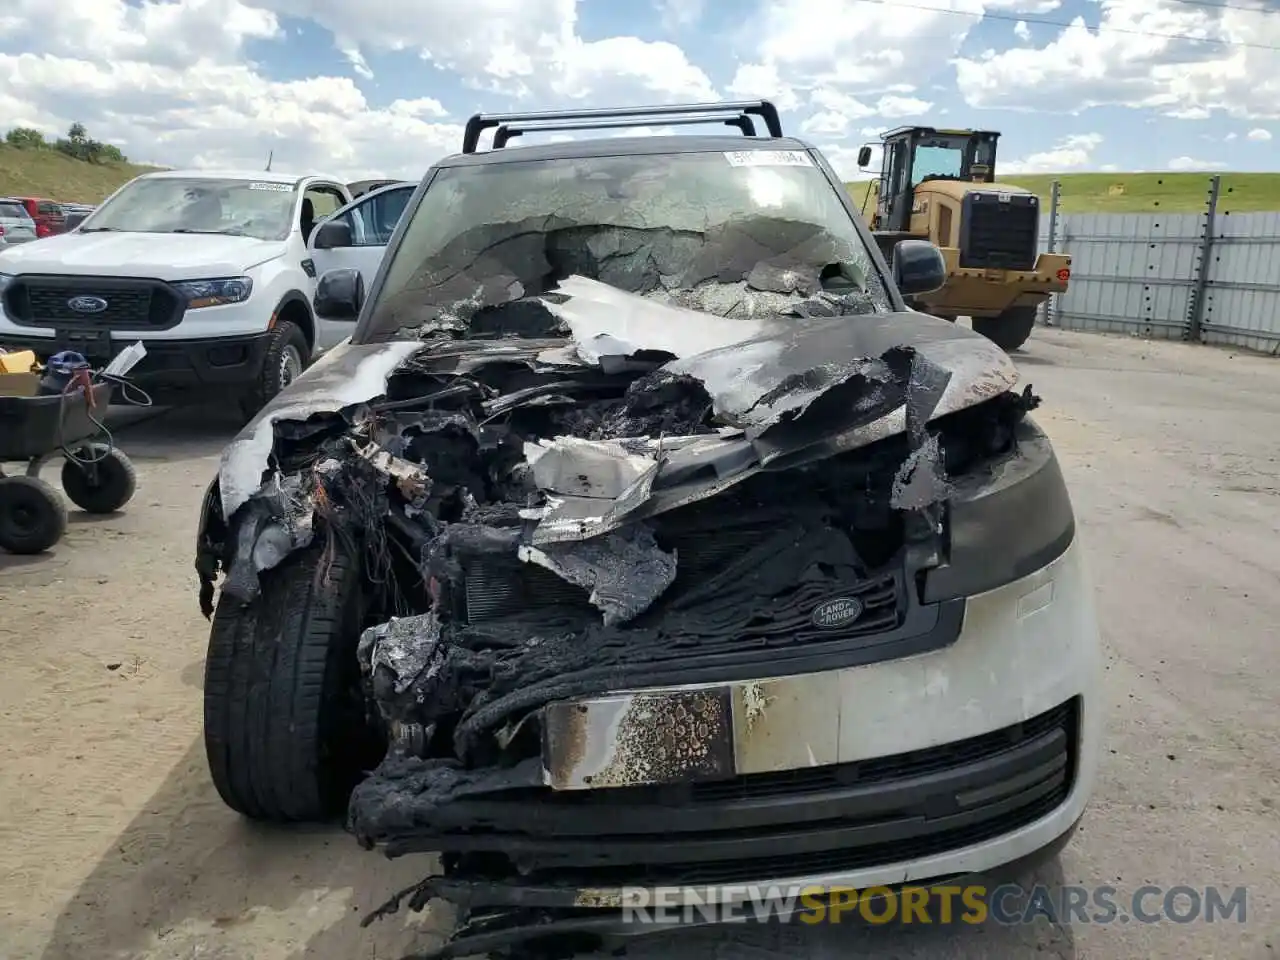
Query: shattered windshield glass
<point x="738" y="236"/>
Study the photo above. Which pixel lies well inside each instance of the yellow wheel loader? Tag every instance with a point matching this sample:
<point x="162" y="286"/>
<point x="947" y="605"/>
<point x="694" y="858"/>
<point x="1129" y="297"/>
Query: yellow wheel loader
<point x="939" y="185"/>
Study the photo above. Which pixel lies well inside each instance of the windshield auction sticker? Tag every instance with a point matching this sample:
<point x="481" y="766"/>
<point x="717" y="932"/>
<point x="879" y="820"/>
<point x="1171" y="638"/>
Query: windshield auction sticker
<point x="768" y="158"/>
<point x="273" y="187"/>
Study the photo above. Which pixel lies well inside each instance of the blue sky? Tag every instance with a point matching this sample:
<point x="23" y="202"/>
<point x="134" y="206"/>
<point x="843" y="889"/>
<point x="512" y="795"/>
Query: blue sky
<point x="381" y="86"/>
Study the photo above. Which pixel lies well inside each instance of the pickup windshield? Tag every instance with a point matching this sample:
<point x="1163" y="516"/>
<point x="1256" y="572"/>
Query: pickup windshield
<point x="738" y="235"/>
<point x="238" y="208"/>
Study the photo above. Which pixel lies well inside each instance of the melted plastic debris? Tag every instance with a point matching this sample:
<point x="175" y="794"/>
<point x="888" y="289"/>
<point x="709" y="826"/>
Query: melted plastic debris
<point x="921" y="482"/>
<point x="625" y="571"/>
<point x="406" y="646"/>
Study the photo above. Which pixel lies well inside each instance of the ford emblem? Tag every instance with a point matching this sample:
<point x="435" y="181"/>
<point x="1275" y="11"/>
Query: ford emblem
<point x="87" y="304"/>
<point x="840" y="612"/>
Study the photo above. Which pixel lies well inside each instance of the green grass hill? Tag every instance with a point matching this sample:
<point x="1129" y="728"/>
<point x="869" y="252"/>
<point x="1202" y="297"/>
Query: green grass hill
<point x="48" y="173"/>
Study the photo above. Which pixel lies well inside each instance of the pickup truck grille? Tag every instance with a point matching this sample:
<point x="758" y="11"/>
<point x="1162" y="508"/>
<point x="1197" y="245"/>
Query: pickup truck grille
<point x="999" y="231"/>
<point x="46" y="301"/>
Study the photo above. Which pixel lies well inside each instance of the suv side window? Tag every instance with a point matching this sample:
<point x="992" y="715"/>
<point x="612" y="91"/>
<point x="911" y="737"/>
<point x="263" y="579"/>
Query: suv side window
<point x="48" y="209"/>
<point x="374" y="219"/>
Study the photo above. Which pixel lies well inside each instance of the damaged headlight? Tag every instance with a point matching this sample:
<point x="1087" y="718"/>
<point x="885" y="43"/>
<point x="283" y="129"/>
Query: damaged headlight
<point x="1006" y="522"/>
<point x="215" y="293"/>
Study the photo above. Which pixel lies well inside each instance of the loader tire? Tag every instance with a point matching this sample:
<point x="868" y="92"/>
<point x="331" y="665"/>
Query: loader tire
<point x="1010" y="330"/>
<point x="285" y="728"/>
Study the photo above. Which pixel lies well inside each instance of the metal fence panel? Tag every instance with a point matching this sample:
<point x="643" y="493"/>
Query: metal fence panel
<point x="1242" y="297"/>
<point x="1130" y="273"/>
<point x="1214" y="276"/>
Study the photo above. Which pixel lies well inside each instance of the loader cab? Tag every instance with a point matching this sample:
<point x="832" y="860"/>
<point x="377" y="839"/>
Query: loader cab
<point x="916" y="155"/>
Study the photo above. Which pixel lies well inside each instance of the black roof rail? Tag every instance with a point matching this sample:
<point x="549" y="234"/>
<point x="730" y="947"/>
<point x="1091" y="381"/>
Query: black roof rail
<point x="509" y="131"/>
<point x="481" y="122"/>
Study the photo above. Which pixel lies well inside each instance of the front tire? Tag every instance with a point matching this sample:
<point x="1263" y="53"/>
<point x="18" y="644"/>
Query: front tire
<point x="1010" y="330"/>
<point x="287" y="355"/>
<point x="285" y="729"/>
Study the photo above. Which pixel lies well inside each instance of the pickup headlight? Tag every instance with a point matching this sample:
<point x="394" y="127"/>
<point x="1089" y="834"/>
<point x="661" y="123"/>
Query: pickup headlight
<point x="5" y="280"/>
<point x="214" y="293"/>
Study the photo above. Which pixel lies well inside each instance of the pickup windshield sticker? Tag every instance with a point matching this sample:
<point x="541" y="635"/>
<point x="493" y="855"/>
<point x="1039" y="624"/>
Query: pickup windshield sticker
<point x="768" y="158"/>
<point x="273" y="187"/>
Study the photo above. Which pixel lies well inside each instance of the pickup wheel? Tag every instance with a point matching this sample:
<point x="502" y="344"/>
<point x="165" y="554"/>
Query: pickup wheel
<point x="1010" y="330"/>
<point x="286" y="357"/>
<point x="286" y="732"/>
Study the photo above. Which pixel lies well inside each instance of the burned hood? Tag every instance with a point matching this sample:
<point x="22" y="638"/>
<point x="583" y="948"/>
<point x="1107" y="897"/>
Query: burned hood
<point x="783" y="389"/>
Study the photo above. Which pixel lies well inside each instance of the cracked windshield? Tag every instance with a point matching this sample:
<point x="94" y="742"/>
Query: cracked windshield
<point x="237" y="208"/>
<point x="698" y="230"/>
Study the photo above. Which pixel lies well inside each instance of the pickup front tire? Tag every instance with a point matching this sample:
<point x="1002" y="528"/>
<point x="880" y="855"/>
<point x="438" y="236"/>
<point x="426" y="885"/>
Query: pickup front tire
<point x="286" y="731"/>
<point x="287" y="355"/>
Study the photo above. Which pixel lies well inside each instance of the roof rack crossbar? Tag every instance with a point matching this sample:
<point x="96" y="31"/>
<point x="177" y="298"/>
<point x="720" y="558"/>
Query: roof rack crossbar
<point x="481" y="122"/>
<point x="509" y="131"/>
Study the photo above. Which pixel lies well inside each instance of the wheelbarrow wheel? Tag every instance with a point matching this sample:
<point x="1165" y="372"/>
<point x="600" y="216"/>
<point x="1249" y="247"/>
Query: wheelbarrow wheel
<point x="32" y="515"/>
<point x="104" y="486"/>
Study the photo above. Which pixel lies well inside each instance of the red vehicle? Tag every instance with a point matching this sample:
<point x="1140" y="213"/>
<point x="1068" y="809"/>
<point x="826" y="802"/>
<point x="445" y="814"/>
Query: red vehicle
<point x="49" y="217"/>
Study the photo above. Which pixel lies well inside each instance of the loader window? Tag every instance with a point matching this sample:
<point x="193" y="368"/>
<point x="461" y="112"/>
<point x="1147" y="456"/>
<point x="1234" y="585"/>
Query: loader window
<point x="933" y="161"/>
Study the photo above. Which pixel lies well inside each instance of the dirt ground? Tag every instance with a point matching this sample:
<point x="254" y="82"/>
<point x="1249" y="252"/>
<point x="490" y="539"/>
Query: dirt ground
<point x="116" y="846"/>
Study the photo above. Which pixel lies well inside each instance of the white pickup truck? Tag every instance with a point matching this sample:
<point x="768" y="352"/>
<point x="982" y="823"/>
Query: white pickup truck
<point x="214" y="271"/>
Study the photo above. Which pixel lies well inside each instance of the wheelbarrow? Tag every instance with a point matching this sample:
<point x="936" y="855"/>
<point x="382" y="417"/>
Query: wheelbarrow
<point x="96" y="476"/>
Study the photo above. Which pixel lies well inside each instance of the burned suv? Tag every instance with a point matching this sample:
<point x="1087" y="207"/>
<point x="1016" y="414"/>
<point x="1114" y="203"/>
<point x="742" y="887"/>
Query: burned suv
<point x="641" y="537"/>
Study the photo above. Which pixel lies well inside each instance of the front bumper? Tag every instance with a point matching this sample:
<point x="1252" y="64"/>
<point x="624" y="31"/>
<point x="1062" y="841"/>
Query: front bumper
<point x="947" y="763"/>
<point x="208" y="365"/>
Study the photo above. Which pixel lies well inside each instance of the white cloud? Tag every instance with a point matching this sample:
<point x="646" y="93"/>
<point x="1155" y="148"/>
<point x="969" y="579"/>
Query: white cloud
<point x="802" y="48"/>
<point x="1260" y="135"/>
<point x="1070" y="153"/>
<point x="1034" y="7"/>
<point x="1132" y="61"/>
<point x="844" y="160"/>
<point x="825" y="123"/>
<point x="1021" y="30"/>
<point x="679" y="14"/>
<point x="902" y="107"/>
<point x="753" y="81"/>
<point x="1189" y="164"/>
<point x="170" y="80"/>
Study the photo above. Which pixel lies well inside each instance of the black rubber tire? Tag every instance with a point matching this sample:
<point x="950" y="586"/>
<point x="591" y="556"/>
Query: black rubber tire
<point x="284" y="334"/>
<point x="1010" y="330"/>
<point x="114" y="483"/>
<point x="285" y="730"/>
<point x="33" y="517"/>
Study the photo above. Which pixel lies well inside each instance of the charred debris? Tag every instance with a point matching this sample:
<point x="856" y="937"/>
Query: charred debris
<point x="622" y="490"/>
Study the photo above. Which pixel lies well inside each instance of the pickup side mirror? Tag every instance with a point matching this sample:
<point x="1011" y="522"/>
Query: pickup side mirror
<point x="918" y="267"/>
<point x="864" y="158"/>
<point x="339" y="294"/>
<point x="332" y="234"/>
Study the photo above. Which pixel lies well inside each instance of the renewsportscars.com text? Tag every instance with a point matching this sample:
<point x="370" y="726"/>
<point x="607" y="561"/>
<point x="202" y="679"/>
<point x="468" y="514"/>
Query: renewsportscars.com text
<point x="1006" y="905"/>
